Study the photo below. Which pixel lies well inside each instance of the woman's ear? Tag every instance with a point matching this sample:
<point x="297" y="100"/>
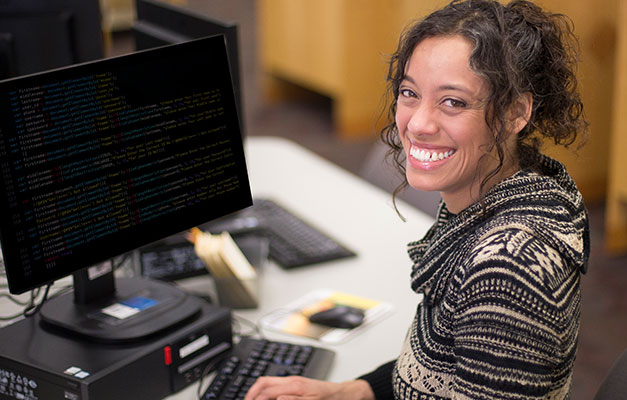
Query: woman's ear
<point x="520" y="112"/>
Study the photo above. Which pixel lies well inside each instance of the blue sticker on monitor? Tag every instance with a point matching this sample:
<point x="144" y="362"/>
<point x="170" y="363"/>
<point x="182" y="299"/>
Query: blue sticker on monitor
<point x="140" y="303"/>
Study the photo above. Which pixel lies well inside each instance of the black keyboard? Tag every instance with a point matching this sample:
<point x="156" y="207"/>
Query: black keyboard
<point x="293" y="242"/>
<point x="252" y="358"/>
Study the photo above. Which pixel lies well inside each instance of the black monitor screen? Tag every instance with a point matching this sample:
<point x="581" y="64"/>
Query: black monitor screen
<point x="101" y="158"/>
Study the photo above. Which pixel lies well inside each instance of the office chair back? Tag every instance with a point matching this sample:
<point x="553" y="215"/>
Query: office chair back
<point x="614" y="387"/>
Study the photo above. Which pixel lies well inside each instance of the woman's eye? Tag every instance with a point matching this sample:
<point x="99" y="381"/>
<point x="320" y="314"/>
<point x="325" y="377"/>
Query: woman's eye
<point x="407" y="93"/>
<point x="454" y="103"/>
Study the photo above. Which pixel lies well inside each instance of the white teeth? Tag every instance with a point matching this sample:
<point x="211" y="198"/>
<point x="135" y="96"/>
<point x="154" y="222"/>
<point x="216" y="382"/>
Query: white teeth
<point x="426" y="156"/>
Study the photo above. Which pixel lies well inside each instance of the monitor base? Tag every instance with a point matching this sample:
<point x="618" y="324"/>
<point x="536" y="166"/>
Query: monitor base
<point x="138" y="309"/>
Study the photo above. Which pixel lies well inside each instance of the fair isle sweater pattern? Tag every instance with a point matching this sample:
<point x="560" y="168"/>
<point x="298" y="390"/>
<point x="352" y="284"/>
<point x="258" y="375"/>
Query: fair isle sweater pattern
<point x="500" y="316"/>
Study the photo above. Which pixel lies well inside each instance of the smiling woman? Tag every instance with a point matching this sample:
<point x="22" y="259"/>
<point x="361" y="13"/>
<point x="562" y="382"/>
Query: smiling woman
<point x="441" y="121"/>
<point x="474" y="88"/>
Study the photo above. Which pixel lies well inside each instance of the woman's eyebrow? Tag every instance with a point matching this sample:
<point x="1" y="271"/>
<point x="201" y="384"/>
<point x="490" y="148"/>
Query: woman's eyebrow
<point x="455" y="87"/>
<point x="451" y="86"/>
<point x="408" y="78"/>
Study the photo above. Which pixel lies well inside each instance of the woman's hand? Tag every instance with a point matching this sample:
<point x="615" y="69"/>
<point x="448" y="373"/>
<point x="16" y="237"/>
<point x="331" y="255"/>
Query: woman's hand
<point x="298" y="387"/>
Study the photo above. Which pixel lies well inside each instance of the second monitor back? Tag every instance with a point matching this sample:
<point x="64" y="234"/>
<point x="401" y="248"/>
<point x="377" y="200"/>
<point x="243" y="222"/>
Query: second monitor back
<point x="160" y="23"/>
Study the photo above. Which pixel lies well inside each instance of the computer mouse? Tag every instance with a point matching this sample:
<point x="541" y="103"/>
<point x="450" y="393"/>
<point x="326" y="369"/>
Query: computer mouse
<point x="339" y="317"/>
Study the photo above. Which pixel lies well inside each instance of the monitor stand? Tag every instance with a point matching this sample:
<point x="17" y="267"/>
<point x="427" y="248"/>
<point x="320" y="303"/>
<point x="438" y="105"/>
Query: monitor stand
<point x="118" y="310"/>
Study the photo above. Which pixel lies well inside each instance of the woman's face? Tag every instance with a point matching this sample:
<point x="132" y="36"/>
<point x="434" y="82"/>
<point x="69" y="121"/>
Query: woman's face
<point x="441" y="121"/>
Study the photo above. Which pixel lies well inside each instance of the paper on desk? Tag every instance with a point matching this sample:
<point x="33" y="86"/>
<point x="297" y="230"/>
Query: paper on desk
<point x="294" y="318"/>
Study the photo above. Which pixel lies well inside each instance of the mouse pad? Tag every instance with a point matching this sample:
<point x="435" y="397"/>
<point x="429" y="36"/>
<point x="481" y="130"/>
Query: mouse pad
<point x="294" y="318"/>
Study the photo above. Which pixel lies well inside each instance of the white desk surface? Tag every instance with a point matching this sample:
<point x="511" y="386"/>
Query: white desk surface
<point x="362" y="217"/>
<point x="359" y="215"/>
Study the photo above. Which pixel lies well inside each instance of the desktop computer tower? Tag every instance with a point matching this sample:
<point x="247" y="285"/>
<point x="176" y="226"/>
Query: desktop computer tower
<point x="36" y="364"/>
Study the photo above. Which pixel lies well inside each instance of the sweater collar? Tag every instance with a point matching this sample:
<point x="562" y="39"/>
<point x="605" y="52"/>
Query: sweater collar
<point x="545" y="203"/>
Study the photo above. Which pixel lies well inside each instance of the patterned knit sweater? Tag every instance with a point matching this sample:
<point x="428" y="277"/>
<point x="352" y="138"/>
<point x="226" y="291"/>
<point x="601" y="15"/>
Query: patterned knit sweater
<point x="500" y="315"/>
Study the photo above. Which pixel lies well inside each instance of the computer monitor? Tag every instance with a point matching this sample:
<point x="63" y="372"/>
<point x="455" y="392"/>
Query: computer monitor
<point x="101" y="158"/>
<point x="38" y="35"/>
<point x="159" y="23"/>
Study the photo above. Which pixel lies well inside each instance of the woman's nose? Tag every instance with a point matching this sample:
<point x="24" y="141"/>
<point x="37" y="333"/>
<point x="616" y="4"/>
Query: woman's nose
<point x="423" y="120"/>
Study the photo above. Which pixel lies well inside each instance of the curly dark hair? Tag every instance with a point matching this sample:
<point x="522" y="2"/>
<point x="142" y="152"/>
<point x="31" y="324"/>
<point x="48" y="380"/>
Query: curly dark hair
<point x="518" y="48"/>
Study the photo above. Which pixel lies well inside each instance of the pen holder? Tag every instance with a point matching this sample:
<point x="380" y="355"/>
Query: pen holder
<point x="236" y="281"/>
<point x="236" y="293"/>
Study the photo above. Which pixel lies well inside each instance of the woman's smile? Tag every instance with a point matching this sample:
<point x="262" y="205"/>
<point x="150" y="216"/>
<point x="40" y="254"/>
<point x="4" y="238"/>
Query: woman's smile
<point x="424" y="154"/>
